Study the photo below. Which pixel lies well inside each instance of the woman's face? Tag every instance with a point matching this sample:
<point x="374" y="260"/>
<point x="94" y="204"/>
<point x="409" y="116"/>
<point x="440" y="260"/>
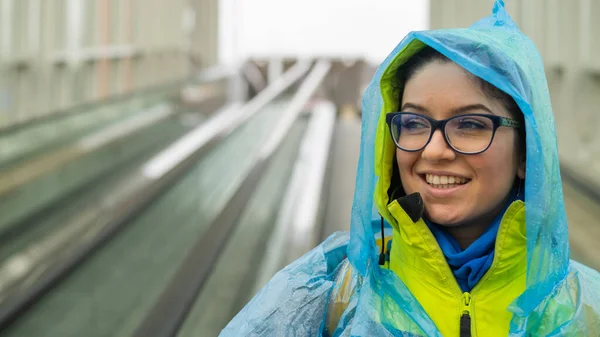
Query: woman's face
<point x="437" y="90"/>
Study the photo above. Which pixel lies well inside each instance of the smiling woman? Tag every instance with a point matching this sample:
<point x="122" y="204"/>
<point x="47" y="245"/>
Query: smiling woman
<point x="450" y="130"/>
<point x="459" y="168"/>
<point x="472" y="144"/>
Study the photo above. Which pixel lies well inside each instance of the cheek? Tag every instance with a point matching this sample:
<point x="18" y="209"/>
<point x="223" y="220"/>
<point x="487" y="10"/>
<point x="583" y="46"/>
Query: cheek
<point x="406" y="162"/>
<point x="495" y="167"/>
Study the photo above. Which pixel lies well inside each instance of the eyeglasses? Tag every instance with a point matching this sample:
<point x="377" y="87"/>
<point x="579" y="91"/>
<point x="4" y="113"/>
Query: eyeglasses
<point x="466" y="134"/>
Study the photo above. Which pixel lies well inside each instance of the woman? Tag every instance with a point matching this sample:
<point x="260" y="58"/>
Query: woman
<point x="478" y="243"/>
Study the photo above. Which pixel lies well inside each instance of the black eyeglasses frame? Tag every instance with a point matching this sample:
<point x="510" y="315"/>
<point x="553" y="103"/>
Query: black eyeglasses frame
<point x="497" y="121"/>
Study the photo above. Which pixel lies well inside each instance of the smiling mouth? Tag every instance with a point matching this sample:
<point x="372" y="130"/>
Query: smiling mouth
<point x="436" y="181"/>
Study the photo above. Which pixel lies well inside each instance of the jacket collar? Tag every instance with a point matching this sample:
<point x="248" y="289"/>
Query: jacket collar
<point x="415" y="247"/>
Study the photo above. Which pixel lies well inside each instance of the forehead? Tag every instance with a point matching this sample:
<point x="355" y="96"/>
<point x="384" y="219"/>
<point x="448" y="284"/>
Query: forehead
<point x="441" y="88"/>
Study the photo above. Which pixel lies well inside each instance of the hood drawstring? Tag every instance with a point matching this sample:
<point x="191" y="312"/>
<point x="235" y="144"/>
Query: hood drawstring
<point x="382" y="255"/>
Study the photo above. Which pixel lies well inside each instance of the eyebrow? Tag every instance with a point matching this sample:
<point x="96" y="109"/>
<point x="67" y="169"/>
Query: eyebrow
<point x="455" y="111"/>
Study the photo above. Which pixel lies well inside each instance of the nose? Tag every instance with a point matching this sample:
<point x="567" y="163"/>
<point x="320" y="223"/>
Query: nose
<point x="437" y="149"/>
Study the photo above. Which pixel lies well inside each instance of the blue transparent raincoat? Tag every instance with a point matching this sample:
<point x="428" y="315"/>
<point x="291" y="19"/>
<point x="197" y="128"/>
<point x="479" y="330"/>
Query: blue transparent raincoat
<point x="296" y="301"/>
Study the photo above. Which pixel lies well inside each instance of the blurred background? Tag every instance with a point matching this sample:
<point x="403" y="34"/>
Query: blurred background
<point x="161" y="160"/>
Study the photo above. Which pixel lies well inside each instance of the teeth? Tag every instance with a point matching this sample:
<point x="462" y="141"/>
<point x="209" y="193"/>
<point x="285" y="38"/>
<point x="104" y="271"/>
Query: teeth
<point x="444" y="181"/>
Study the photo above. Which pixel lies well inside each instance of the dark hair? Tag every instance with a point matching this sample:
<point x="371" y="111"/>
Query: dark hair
<point x="428" y="55"/>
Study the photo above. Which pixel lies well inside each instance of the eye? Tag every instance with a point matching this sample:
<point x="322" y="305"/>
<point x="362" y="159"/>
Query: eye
<point x="413" y="123"/>
<point x="473" y="123"/>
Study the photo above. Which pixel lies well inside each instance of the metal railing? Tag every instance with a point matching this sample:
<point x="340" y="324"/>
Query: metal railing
<point x="170" y="310"/>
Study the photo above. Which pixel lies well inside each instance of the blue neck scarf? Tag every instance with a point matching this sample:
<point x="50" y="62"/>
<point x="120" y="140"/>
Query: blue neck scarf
<point x="469" y="265"/>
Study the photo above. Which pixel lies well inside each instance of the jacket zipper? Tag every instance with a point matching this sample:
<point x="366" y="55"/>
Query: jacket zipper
<point x="465" y="319"/>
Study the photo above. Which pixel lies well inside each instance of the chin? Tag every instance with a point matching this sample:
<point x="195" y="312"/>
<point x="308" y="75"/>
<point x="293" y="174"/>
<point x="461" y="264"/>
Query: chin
<point x="442" y="217"/>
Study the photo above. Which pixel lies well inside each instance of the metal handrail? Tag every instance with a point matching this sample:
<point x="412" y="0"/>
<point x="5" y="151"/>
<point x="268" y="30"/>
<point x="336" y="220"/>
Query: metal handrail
<point x="296" y="229"/>
<point x="169" y="312"/>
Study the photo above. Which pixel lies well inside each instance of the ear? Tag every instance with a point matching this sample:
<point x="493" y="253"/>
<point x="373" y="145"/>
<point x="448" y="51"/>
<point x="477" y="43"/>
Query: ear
<point x="521" y="168"/>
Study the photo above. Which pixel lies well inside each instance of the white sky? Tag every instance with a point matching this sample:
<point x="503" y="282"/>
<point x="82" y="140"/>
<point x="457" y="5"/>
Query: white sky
<point x="309" y="28"/>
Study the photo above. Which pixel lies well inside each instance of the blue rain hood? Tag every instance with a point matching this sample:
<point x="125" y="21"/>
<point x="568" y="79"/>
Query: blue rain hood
<point x="295" y="301"/>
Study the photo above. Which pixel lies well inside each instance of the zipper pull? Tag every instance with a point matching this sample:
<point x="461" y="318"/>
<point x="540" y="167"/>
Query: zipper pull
<point x="465" y="319"/>
<point x="466" y="301"/>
